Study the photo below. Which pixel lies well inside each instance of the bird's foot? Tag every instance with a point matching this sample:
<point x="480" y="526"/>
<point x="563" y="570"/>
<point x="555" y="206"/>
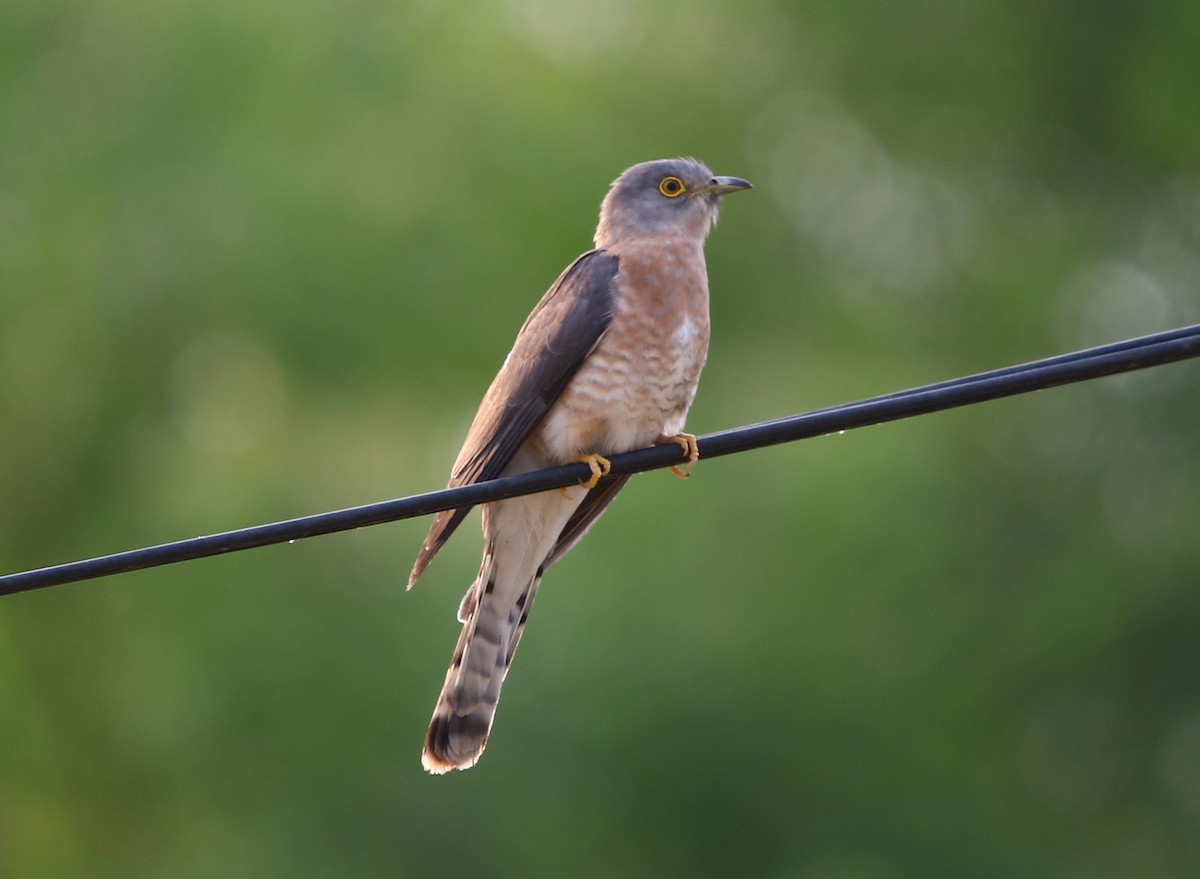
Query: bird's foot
<point x="686" y="442"/>
<point x="599" y="466"/>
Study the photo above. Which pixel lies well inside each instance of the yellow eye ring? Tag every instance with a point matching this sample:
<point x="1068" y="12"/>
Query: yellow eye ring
<point x="671" y="187"/>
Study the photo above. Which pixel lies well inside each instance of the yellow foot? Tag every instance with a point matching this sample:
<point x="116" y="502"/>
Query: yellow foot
<point x="687" y="442"/>
<point x="599" y="466"/>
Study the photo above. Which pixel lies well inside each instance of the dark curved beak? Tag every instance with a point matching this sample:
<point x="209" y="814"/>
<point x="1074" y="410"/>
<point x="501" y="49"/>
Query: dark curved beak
<point x="723" y="186"/>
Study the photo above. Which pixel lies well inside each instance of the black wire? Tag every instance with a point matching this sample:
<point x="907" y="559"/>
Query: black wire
<point x="1131" y="354"/>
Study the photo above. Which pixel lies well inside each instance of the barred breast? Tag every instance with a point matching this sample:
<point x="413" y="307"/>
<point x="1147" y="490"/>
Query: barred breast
<point x="640" y="381"/>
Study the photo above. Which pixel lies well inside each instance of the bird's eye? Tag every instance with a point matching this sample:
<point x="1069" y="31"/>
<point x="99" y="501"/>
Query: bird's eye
<point x="671" y="187"/>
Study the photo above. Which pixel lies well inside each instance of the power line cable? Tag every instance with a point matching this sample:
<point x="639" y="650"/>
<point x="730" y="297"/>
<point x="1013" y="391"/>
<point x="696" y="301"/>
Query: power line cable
<point x="1132" y="354"/>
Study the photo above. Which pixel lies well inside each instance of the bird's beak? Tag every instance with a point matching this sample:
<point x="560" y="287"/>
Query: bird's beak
<point x="722" y="185"/>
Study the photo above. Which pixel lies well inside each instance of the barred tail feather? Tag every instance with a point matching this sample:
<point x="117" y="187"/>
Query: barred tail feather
<point x="462" y="719"/>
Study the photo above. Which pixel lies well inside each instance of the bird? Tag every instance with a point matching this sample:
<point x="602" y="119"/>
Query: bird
<point x="608" y="361"/>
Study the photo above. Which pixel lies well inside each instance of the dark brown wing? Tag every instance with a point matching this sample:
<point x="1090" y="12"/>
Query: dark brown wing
<point x="594" y="503"/>
<point x="554" y="340"/>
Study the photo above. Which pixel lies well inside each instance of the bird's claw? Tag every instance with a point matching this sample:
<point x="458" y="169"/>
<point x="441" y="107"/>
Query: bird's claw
<point x="599" y="465"/>
<point x="686" y="442"/>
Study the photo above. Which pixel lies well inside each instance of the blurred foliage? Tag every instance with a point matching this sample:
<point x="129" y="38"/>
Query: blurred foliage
<point x="260" y="259"/>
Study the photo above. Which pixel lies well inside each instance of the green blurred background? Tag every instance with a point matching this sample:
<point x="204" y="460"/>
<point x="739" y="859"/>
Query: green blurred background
<point x="261" y="259"/>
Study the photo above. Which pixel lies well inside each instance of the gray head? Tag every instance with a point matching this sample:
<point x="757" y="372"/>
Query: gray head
<point x="669" y="197"/>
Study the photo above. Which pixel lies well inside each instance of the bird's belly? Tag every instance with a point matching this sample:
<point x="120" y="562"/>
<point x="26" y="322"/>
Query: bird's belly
<point x="624" y="397"/>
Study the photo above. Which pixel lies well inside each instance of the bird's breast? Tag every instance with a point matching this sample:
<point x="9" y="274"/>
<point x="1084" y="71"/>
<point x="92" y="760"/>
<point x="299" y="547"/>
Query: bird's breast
<point x="639" y="381"/>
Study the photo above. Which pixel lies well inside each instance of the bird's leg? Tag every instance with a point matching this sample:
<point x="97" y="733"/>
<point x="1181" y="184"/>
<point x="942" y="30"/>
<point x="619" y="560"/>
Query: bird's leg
<point x="687" y="442"/>
<point x="599" y="466"/>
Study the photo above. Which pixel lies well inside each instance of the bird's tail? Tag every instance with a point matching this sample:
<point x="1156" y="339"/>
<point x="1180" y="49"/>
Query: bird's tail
<point x="492" y="627"/>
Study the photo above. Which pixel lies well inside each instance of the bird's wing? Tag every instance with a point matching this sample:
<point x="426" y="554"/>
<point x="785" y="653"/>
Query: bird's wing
<point x="594" y="503"/>
<point x="554" y="341"/>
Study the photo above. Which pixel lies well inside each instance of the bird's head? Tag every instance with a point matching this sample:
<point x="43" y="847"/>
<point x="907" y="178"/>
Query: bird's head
<point x="676" y="197"/>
